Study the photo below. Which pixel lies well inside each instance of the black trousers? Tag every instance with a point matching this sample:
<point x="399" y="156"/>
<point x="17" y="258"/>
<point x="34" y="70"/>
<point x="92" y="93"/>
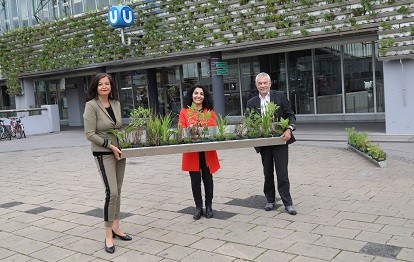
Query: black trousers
<point x="196" y="177"/>
<point x="277" y="156"/>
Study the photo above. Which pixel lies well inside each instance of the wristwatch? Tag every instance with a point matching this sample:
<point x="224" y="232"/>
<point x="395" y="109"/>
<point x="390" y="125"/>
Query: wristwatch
<point x="291" y="127"/>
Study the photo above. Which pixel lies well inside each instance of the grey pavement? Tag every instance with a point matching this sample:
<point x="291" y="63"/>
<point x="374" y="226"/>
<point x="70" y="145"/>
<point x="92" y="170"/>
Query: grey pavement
<point x="348" y="209"/>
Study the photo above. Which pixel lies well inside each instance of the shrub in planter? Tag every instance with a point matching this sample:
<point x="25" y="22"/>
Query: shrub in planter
<point x="359" y="140"/>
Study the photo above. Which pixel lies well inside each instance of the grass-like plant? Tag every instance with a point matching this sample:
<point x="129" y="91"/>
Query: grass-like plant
<point x="221" y="127"/>
<point x="154" y="131"/>
<point x="268" y="117"/>
<point x="165" y="128"/>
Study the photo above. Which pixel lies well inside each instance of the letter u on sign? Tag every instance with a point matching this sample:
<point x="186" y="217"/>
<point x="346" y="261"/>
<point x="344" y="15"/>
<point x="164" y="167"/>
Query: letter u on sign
<point x="120" y="16"/>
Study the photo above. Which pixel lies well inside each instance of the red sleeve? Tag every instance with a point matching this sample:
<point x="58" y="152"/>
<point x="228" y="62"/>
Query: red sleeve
<point x="212" y="121"/>
<point x="182" y="119"/>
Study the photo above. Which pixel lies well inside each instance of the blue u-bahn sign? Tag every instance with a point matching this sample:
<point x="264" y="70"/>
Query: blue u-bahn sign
<point x="120" y="16"/>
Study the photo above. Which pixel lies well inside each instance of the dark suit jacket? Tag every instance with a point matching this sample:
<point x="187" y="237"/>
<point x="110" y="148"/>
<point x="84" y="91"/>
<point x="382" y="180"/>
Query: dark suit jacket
<point x="284" y="110"/>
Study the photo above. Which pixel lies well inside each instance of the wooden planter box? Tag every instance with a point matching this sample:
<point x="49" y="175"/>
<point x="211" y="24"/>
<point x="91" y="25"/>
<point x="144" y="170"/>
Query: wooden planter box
<point x="378" y="163"/>
<point x="197" y="147"/>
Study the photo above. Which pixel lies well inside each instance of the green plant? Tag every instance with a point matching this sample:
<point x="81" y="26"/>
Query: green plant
<point x="198" y="129"/>
<point x="154" y="131"/>
<point x="268" y="117"/>
<point x="221" y="127"/>
<point x="123" y="135"/>
<point x="139" y="116"/>
<point x="359" y="140"/>
<point x="282" y="125"/>
<point x="252" y="123"/>
<point x="376" y="152"/>
<point x="165" y="127"/>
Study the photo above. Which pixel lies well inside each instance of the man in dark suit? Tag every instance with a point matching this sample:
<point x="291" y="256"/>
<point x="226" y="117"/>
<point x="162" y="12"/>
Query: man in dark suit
<point x="277" y="156"/>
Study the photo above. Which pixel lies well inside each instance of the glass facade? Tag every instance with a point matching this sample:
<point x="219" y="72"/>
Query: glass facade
<point x="329" y="80"/>
<point x="19" y="13"/>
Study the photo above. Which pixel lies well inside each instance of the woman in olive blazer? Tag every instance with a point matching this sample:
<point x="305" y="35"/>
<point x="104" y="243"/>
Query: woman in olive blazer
<point x="103" y="114"/>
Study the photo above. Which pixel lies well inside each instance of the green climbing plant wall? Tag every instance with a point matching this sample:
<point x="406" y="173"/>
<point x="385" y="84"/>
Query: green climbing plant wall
<point x="166" y="27"/>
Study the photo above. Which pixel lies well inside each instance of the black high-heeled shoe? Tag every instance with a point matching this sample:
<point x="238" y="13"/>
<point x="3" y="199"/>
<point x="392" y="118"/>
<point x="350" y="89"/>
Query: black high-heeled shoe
<point x="123" y="238"/>
<point x="109" y="249"/>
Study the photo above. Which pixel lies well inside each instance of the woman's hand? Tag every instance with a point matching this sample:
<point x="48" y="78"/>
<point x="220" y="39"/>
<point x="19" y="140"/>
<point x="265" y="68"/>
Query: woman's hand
<point x="117" y="152"/>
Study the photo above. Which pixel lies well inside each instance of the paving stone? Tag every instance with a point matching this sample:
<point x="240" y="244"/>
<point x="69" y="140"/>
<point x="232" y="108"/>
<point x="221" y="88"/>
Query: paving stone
<point x="245" y="232"/>
<point x="27" y="246"/>
<point x="78" y="257"/>
<point x="52" y="253"/>
<point x="271" y="231"/>
<point x="340" y="243"/>
<point x="393" y="221"/>
<point x="276" y="244"/>
<point x="271" y="255"/>
<point x="247" y="238"/>
<point x="98" y="212"/>
<point x="206" y="244"/>
<point x="300" y="226"/>
<point x="397" y="231"/>
<point x="402" y="241"/>
<point x="38" y="210"/>
<point x="336" y="231"/>
<point x="4" y="253"/>
<point x="176" y="252"/>
<point x="20" y="258"/>
<point x="37" y="233"/>
<point x="179" y="238"/>
<point x="240" y="251"/>
<point x="303" y="237"/>
<point x="10" y="204"/>
<point x="406" y="254"/>
<point x="360" y="225"/>
<point x="356" y="216"/>
<point x="373" y="237"/>
<point x="314" y="251"/>
<point x="306" y="259"/>
<point x="270" y="221"/>
<point x="133" y="255"/>
<point x="382" y="250"/>
<point x="214" y="233"/>
<point x="347" y="256"/>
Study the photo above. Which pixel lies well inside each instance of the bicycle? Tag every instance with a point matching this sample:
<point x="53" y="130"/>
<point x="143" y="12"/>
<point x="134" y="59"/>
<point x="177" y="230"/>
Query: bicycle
<point x="17" y="127"/>
<point x="4" y="131"/>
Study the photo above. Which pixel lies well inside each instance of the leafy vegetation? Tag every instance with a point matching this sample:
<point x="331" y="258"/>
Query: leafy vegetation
<point x="359" y="140"/>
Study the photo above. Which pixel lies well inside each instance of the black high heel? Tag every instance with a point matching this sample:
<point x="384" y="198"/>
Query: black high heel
<point x="123" y="238"/>
<point x="109" y="249"/>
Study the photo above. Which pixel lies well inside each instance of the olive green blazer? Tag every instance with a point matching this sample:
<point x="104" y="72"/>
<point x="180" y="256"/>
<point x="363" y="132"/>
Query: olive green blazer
<point x="98" y="123"/>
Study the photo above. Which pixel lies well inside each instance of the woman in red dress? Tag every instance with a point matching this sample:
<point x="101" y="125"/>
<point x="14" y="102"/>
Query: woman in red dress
<point x="201" y="165"/>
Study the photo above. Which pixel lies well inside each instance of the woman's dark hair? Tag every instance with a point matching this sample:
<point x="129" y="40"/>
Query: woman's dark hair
<point x="93" y="87"/>
<point x="207" y="102"/>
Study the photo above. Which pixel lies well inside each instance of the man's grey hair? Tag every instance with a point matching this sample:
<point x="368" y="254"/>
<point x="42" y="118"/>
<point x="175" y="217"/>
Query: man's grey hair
<point x="263" y="74"/>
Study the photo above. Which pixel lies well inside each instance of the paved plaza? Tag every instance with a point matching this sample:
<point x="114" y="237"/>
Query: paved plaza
<point x="51" y="202"/>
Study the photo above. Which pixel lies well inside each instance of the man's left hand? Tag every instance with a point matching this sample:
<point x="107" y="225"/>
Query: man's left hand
<point x="287" y="134"/>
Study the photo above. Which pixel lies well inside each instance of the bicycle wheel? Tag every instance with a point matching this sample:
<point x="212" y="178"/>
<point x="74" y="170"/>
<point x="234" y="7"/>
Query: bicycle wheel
<point x="2" y="134"/>
<point x="8" y="132"/>
<point x="18" y="131"/>
<point x="12" y="131"/>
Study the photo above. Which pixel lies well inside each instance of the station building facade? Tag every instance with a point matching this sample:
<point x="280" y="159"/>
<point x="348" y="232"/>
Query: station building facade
<point x="328" y="76"/>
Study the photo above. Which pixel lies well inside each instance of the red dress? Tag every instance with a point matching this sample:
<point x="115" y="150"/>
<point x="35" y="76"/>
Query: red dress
<point x="190" y="161"/>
